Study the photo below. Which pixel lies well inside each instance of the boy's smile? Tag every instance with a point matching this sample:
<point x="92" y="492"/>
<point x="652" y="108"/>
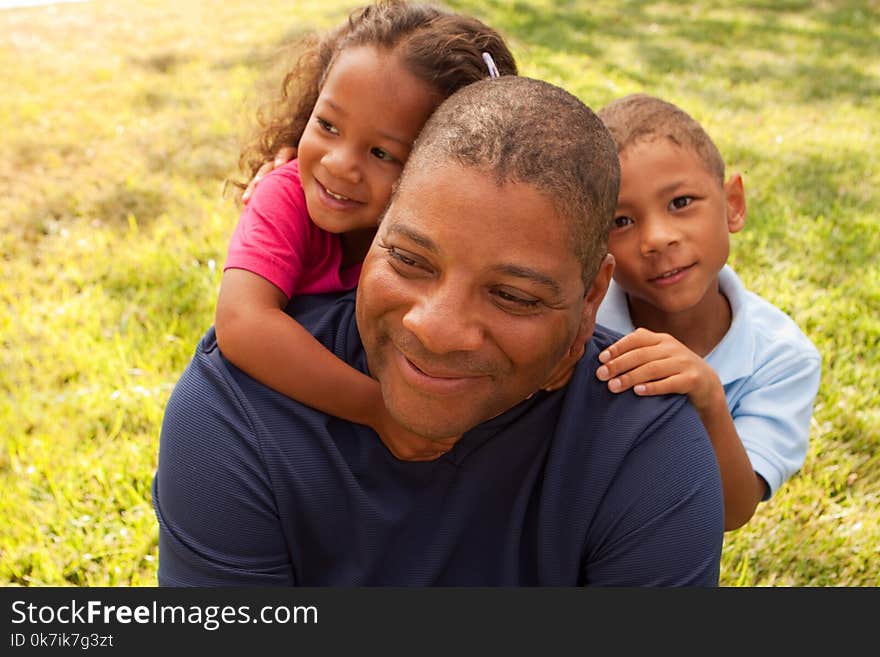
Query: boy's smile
<point x="671" y="234"/>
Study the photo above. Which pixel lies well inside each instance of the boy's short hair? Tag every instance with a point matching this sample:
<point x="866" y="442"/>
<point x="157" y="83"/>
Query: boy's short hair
<point x="639" y="117"/>
<point x="522" y="130"/>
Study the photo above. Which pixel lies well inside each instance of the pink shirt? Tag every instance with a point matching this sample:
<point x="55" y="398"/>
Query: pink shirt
<point x="276" y="239"/>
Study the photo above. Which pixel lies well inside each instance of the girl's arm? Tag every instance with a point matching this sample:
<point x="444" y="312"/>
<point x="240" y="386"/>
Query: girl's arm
<point x="259" y="338"/>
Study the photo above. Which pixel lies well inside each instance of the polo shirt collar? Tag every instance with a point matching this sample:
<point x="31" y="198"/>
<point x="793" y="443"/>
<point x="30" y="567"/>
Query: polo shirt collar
<point x="732" y="358"/>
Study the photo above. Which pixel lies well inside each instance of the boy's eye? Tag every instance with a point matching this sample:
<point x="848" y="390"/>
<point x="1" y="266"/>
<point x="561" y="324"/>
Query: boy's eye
<point x="383" y="155"/>
<point x="680" y="202"/>
<point x="622" y="221"/>
<point x="327" y="126"/>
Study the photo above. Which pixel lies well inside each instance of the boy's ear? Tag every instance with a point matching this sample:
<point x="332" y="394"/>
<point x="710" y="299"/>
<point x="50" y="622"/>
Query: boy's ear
<point x="736" y="203"/>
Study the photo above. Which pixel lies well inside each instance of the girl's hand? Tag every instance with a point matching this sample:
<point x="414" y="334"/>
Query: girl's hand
<point x="285" y="154"/>
<point x="658" y="364"/>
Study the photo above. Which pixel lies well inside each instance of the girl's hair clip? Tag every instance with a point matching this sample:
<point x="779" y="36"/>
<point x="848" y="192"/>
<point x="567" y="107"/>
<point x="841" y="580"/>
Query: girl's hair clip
<point x="490" y="64"/>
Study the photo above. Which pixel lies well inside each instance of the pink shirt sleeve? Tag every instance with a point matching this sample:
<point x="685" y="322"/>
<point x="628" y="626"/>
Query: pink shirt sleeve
<point x="276" y="239"/>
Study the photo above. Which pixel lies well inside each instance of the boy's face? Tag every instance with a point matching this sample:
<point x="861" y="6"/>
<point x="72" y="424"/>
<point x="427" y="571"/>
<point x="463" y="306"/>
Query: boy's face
<point x="670" y="236"/>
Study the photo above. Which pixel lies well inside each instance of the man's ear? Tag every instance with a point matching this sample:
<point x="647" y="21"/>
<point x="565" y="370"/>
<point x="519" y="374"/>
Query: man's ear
<point x="593" y="298"/>
<point x="562" y="372"/>
<point x="736" y="203"/>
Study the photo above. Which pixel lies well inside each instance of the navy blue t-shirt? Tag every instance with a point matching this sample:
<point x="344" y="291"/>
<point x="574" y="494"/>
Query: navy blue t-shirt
<point x="575" y="487"/>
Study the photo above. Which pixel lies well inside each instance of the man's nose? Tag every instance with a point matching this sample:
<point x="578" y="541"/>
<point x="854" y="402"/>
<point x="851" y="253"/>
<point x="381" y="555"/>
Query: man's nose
<point x="445" y="320"/>
<point x="343" y="163"/>
<point x="657" y="234"/>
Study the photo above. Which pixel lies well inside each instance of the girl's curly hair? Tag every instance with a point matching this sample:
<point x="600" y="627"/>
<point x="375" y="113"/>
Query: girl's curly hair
<point x="439" y="47"/>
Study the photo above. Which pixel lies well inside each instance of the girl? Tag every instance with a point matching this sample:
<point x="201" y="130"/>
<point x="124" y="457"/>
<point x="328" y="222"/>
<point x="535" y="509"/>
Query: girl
<point x="352" y="107"/>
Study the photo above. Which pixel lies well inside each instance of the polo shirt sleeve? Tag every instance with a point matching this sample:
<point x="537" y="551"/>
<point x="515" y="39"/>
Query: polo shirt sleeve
<point x="210" y="483"/>
<point x="661" y="522"/>
<point x="773" y="418"/>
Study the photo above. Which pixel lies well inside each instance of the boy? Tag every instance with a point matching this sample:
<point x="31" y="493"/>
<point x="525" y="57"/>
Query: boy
<point x="745" y="365"/>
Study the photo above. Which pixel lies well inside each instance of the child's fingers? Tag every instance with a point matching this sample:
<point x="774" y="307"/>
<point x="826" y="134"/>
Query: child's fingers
<point x="638" y="339"/>
<point x="258" y="176"/>
<point x="675" y="384"/>
<point x="284" y="155"/>
<point x="648" y="372"/>
<point x="630" y="360"/>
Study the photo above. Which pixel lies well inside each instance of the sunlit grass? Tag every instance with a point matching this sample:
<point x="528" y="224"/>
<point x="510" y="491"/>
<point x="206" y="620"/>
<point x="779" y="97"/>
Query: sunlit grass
<point x="120" y="121"/>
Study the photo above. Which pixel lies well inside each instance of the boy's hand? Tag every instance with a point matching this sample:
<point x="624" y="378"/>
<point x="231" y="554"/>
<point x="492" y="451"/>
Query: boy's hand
<point x="657" y="364"/>
<point x="284" y="155"/>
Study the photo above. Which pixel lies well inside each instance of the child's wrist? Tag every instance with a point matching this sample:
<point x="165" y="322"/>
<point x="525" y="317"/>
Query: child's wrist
<point x="713" y="398"/>
<point x="375" y="414"/>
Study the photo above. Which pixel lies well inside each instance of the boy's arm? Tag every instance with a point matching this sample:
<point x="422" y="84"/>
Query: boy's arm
<point x="258" y="337"/>
<point x="657" y="364"/>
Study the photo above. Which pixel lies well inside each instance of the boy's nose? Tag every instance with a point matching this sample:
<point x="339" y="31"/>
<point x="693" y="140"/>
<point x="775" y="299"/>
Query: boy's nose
<point x="657" y="235"/>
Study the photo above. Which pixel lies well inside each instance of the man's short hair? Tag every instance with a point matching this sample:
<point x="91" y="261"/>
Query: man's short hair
<point x="522" y="130"/>
<point x="640" y="117"/>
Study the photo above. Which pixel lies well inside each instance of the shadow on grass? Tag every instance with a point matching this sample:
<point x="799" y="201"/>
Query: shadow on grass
<point x="263" y="58"/>
<point x="166" y="62"/>
<point x="798" y="51"/>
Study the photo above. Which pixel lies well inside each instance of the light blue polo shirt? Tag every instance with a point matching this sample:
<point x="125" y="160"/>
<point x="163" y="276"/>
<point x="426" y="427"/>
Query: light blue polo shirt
<point x="770" y="372"/>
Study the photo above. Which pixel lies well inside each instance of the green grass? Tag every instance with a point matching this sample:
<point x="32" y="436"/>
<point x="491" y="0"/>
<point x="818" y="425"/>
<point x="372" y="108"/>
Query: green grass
<point x="119" y="121"/>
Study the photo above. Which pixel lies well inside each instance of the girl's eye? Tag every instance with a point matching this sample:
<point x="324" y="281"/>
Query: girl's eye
<point x="327" y="126"/>
<point x="383" y="155"/>
<point x="621" y="222"/>
<point x="680" y="202"/>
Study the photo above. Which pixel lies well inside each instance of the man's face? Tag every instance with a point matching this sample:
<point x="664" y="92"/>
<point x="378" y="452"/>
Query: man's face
<point x="469" y="296"/>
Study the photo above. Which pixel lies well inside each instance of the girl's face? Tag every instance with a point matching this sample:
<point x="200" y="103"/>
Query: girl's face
<point x="360" y="133"/>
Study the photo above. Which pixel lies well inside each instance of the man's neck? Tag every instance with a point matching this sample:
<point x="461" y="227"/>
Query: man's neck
<point x="417" y="448"/>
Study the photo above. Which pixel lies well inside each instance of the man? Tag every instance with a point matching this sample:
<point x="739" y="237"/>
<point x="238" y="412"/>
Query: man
<point x="480" y="289"/>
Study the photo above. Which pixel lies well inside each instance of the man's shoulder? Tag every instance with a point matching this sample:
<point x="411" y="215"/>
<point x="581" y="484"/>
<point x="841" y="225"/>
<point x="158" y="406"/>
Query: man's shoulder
<point x="330" y="318"/>
<point x="621" y="420"/>
<point x="604" y="336"/>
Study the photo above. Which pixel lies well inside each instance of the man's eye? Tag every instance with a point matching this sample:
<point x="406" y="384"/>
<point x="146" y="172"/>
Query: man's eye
<point x="516" y="301"/>
<point x="405" y="259"/>
<point x="621" y="222"/>
<point x="327" y="126"/>
<point x="402" y="257"/>
<point x="680" y="202"/>
<point x="383" y="155"/>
